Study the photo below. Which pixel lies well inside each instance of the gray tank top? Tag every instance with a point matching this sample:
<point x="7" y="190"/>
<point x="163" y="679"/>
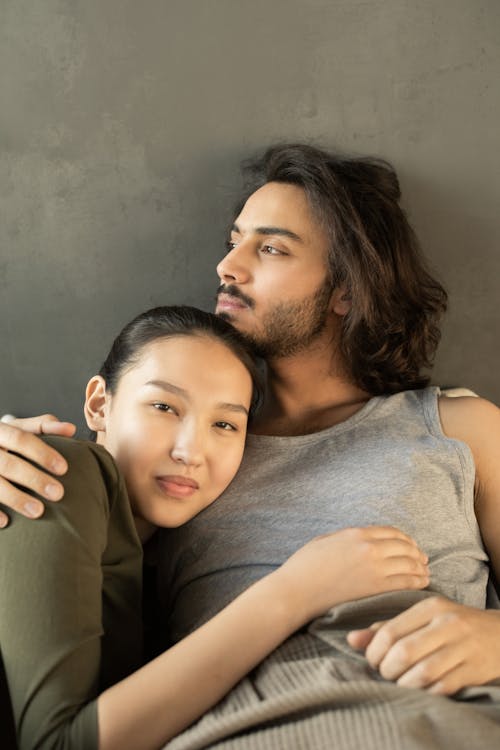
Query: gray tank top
<point x="389" y="464"/>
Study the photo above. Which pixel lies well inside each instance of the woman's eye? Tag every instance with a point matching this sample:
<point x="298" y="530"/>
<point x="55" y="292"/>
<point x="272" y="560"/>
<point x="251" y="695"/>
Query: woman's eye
<point x="226" y="426"/>
<point x="164" y="407"/>
<point x="230" y="245"/>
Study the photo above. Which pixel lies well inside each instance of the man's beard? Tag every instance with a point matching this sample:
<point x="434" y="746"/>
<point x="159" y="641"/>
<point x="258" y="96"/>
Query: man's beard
<point x="290" y="327"/>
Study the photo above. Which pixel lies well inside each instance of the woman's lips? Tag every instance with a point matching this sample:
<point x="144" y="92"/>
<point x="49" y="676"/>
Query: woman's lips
<point x="177" y="485"/>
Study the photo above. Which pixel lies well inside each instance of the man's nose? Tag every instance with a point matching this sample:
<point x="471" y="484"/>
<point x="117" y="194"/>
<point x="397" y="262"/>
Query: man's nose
<point x="187" y="448"/>
<point x="234" y="267"/>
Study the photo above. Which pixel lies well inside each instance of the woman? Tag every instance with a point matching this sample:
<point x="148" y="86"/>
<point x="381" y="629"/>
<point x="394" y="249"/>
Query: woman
<point x="169" y="409"/>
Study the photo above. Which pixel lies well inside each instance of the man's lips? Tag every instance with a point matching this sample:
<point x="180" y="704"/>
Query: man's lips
<point x="228" y="302"/>
<point x="176" y="485"/>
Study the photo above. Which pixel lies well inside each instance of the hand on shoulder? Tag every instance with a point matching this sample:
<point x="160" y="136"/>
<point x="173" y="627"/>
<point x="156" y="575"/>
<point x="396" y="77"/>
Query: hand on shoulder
<point x="20" y="450"/>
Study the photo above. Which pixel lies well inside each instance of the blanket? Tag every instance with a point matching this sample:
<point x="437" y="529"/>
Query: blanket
<point x="316" y="693"/>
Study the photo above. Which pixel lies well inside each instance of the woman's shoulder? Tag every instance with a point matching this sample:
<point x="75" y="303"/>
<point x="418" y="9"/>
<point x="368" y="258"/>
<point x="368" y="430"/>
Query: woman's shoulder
<point x="74" y="447"/>
<point x="84" y="458"/>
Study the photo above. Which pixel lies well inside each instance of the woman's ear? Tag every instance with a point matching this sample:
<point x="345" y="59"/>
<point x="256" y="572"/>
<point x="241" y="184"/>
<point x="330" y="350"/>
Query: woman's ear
<point x="95" y="404"/>
<point x="341" y="301"/>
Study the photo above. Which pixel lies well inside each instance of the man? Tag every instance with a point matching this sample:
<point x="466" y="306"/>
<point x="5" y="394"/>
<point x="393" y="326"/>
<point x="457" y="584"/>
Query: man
<point x="323" y="275"/>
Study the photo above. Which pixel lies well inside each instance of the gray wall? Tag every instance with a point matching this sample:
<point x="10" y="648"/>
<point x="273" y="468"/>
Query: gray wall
<point x="122" y="124"/>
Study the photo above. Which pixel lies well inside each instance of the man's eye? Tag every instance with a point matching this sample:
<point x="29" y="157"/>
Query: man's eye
<point x="226" y="426"/>
<point x="230" y="245"/>
<point x="160" y="406"/>
<point x="270" y="250"/>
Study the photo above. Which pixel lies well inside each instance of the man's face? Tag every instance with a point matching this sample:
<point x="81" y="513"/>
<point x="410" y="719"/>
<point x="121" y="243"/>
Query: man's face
<point x="275" y="286"/>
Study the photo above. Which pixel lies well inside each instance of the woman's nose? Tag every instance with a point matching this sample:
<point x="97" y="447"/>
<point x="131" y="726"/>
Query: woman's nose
<point x="187" y="447"/>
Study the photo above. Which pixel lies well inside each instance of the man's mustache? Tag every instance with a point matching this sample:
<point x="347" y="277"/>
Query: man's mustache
<point x="233" y="291"/>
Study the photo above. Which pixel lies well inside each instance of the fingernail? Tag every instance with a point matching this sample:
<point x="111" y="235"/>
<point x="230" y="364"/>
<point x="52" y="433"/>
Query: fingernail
<point x="53" y="491"/>
<point x="3" y="522"/>
<point x="33" y="509"/>
<point x="58" y="466"/>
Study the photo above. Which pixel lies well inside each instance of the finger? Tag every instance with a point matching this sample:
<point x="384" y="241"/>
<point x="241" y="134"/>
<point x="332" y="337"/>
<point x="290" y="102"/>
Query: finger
<point x="453" y="681"/>
<point x="392" y="547"/>
<point x="433" y="668"/>
<point x="396" y="542"/>
<point x="394" y="630"/>
<point x="22" y="503"/>
<point x="45" y="424"/>
<point x="389" y="532"/>
<point x="412" y="619"/>
<point x="405" y="564"/>
<point x="359" y="639"/>
<point x="14" y="469"/>
<point x="411" y="636"/>
<point x="54" y="427"/>
<point x="4" y="520"/>
<point x="32" y="448"/>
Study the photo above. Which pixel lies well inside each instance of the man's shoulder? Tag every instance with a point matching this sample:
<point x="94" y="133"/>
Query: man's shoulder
<point x="473" y="420"/>
<point x="465" y="413"/>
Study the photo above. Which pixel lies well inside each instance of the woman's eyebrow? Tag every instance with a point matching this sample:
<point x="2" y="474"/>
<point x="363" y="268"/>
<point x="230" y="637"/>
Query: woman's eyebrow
<point x="170" y="387"/>
<point x="279" y="231"/>
<point x="232" y="407"/>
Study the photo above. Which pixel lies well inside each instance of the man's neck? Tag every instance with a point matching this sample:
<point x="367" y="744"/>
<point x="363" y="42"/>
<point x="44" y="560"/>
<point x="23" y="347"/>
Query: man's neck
<point x="306" y="393"/>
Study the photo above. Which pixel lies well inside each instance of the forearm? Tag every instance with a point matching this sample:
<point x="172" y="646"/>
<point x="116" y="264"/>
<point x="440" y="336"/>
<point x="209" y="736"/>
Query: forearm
<point x="168" y="694"/>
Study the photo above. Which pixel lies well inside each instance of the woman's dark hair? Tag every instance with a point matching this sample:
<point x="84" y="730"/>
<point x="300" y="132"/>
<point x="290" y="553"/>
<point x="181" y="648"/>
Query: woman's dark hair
<point x="166" y="322"/>
<point x="392" y="329"/>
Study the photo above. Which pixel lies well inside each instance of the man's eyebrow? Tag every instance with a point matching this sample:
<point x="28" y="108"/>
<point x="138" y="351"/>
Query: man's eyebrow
<point x="165" y="386"/>
<point x="279" y="231"/>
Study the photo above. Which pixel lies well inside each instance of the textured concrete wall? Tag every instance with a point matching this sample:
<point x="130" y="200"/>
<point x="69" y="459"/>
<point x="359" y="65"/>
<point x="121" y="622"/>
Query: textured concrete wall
<point x="122" y="125"/>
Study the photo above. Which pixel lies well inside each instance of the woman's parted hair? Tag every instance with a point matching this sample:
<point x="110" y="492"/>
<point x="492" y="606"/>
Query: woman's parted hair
<point x="392" y="330"/>
<point x="169" y="321"/>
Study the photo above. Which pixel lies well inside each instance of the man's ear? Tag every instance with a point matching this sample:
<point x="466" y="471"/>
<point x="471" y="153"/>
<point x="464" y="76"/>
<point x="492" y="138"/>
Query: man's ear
<point x="341" y="301"/>
<point x="95" y="404"/>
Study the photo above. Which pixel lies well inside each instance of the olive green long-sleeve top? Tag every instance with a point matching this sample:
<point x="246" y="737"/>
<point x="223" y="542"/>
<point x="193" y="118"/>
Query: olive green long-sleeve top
<point x="70" y="603"/>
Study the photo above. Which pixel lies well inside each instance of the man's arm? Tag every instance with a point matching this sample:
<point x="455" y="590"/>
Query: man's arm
<point x="18" y="446"/>
<point x="438" y="644"/>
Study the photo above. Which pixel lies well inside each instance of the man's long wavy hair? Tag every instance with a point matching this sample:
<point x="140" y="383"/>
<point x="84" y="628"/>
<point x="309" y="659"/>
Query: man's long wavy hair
<point x="392" y="330"/>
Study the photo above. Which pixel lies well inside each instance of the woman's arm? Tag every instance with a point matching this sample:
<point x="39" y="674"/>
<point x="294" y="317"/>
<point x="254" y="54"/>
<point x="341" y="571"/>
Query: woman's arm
<point x="169" y="693"/>
<point x="69" y="597"/>
<point x="56" y="601"/>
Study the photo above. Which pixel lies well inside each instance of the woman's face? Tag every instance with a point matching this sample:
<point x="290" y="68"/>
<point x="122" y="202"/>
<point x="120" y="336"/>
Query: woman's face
<point x="176" y="426"/>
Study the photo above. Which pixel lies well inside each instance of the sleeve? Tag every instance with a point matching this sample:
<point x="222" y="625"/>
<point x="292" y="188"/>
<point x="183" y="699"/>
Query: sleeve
<point x="51" y="611"/>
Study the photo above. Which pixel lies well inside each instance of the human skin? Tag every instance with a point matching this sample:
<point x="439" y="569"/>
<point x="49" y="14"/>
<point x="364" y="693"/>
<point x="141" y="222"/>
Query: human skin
<point x="176" y="428"/>
<point x="168" y="423"/>
<point x="439" y="645"/>
<point x="310" y="389"/>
